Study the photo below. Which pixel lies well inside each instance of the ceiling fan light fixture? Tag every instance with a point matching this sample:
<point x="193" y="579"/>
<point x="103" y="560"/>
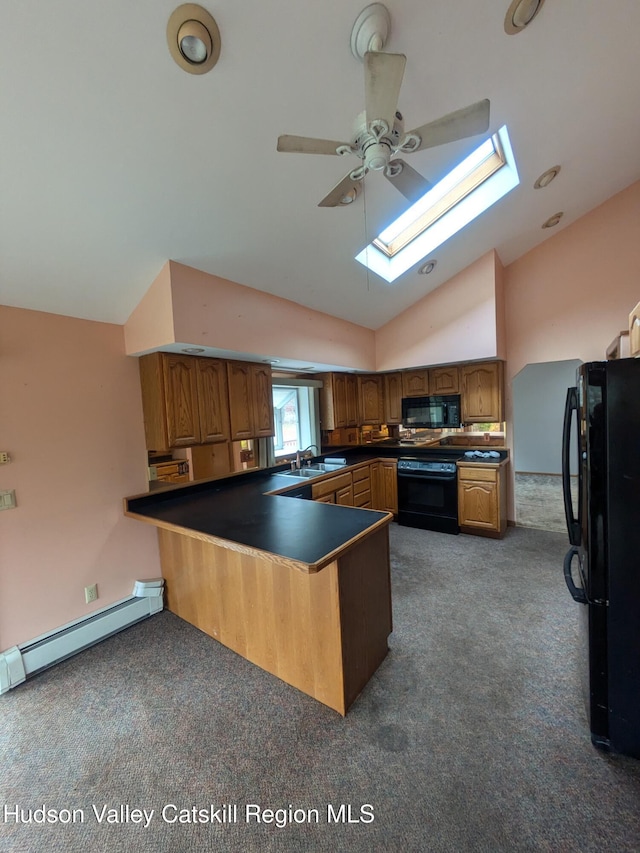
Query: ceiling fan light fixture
<point x="553" y="220"/>
<point x="520" y="14"/>
<point x="193" y="38"/>
<point x="546" y="177"/>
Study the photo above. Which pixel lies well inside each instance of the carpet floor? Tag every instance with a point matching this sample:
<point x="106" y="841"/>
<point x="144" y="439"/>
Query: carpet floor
<point x="471" y="736"/>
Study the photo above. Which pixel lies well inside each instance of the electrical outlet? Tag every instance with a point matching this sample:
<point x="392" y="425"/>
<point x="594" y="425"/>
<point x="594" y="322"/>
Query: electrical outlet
<point x="91" y="593"/>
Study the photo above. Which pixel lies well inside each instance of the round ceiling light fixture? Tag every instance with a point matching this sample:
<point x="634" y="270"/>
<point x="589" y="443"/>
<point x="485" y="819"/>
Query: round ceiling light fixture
<point x="193" y="38"/>
<point x="351" y="195"/>
<point x="553" y="220"/>
<point x="425" y="269"/>
<point x="520" y="14"/>
<point x="193" y="350"/>
<point x="546" y="177"/>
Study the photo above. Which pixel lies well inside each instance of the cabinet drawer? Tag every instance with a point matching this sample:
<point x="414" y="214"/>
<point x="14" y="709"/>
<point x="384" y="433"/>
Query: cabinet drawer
<point x="361" y="474"/>
<point x="361" y="486"/>
<point x="484" y="475"/>
<point x="332" y="484"/>
<point x="363" y="499"/>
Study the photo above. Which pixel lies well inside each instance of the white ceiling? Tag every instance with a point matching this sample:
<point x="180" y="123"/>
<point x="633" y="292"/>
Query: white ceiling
<point x="113" y="160"/>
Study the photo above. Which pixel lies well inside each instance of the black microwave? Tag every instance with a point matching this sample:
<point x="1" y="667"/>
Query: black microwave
<point x="431" y="412"/>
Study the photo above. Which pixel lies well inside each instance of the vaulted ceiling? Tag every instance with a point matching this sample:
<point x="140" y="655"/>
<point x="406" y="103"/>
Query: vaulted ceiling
<point x="113" y="159"/>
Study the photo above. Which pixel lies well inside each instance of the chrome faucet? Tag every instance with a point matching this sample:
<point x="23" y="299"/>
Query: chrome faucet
<point x="300" y="454"/>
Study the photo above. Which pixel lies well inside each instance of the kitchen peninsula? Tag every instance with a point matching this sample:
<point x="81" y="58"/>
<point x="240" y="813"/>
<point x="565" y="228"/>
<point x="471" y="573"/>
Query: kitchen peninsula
<point x="298" y="587"/>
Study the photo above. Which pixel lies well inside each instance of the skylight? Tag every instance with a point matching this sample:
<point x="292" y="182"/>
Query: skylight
<point x="473" y="186"/>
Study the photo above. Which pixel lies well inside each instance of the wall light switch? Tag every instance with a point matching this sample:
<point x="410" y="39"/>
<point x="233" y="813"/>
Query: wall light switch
<point x="7" y="499"/>
<point x="4" y="457"/>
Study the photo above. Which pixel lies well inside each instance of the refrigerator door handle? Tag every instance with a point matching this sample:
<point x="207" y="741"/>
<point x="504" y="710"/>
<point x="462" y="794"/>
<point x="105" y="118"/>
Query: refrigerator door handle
<point x="573" y="523"/>
<point x="577" y="593"/>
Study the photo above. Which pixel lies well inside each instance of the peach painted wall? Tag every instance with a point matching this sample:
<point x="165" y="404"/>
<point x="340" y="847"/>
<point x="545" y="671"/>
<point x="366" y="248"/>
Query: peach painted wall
<point x="455" y="322"/>
<point x="150" y="325"/>
<point x="212" y="311"/>
<point x="72" y="423"/>
<point x="569" y="297"/>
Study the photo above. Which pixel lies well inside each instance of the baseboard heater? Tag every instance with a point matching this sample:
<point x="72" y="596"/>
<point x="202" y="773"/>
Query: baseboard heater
<point x="20" y="662"/>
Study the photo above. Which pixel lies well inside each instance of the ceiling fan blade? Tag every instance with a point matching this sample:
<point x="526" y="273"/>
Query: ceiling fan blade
<point x="410" y="183"/>
<point x="383" y="73"/>
<point x="346" y="189"/>
<point x="458" y="125"/>
<point x="308" y="145"/>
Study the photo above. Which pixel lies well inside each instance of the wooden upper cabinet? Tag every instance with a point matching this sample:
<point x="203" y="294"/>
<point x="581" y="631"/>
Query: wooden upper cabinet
<point x="393" y="398"/>
<point x="371" y="399"/>
<point x="339" y="401"/>
<point x="168" y="383"/>
<point x="444" y="380"/>
<point x="262" y="397"/>
<point x="351" y="398"/>
<point x="482" y="392"/>
<point x="250" y="400"/>
<point x="634" y="331"/>
<point x="415" y="383"/>
<point x="213" y="400"/>
<point x="240" y="406"/>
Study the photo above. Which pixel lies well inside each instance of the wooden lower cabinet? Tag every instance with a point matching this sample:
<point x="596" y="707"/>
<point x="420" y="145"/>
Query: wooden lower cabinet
<point x="482" y="499"/>
<point x="384" y="492"/>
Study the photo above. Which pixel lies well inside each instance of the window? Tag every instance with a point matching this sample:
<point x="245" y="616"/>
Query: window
<point x="295" y="412"/>
<point x="474" y="185"/>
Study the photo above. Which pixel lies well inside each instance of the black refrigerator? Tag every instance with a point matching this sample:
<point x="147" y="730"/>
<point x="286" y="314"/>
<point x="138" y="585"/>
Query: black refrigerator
<point x="601" y="444"/>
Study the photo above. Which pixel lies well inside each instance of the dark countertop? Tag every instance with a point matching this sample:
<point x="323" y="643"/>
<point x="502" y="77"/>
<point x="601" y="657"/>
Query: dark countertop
<point x="237" y="510"/>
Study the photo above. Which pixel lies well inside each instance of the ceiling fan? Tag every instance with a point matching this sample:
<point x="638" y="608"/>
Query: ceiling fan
<point x="379" y="135"/>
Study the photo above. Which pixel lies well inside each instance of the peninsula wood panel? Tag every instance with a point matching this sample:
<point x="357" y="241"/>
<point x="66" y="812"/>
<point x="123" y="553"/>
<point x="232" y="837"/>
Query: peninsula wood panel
<point x="323" y="633"/>
<point x="365" y="609"/>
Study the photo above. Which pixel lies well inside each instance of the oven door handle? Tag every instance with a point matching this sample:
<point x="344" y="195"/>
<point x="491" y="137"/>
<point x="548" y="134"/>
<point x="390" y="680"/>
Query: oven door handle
<point x="415" y="475"/>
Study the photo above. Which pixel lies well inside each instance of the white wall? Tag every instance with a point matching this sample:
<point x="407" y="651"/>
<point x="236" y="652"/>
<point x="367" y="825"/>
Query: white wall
<point x="539" y="393"/>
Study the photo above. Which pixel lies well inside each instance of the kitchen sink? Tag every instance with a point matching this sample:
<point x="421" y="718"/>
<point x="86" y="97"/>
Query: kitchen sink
<point x="309" y="471"/>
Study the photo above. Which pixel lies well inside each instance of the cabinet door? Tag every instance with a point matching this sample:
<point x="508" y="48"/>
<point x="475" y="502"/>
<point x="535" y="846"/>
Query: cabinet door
<point x="262" y="401"/>
<point x="415" y="383"/>
<point x="213" y="400"/>
<point x="388" y="485"/>
<point x="393" y="398"/>
<point x="240" y="400"/>
<point x="351" y="400"/>
<point x="478" y="505"/>
<point x="482" y="392"/>
<point x="371" y="406"/>
<point x="339" y="392"/>
<point x="180" y="392"/>
<point x="444" y="380"/>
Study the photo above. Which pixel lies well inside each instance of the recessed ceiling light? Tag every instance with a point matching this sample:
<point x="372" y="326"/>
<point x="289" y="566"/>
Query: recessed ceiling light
<point x="553" y="220"/>
<point x="546" y="177"/>
<point x="520" y="14"/>
<point x="193" y="38"/>
<point x="425" y="269"/>
<point x="193" y="350"/>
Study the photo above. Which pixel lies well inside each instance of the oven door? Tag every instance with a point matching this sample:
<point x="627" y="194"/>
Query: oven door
<point x="428" y="501"/>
